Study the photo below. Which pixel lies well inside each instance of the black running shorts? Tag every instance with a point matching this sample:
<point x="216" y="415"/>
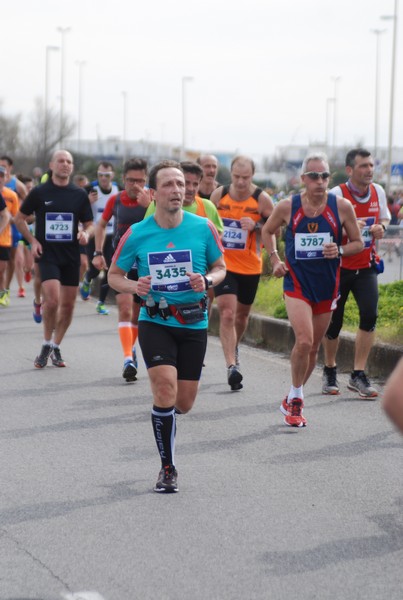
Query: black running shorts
<point x="67" y="274"/>
<point x="243" y="286"/>
<point x="180" y="347"/>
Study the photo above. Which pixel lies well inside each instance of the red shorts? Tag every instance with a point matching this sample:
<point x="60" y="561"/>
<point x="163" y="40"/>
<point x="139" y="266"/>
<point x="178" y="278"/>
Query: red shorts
<point x="318" y="308"/>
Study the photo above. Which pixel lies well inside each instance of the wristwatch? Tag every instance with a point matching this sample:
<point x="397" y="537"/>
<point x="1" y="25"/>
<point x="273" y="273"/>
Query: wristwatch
<point x="208" y="282"/>
<point x="340" y="252"/>
<point x="97" y="253"/>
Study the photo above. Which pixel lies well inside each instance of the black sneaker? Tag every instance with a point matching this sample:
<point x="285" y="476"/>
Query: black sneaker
<point x="360" y="383"/>
<point x="42" y="360"/>
<point x="56" y="358"/>
<point x="329" y="379"/>
<point x="167" y="480"/>
<point x="234" y="378"/>
<point x="129" y="371"/>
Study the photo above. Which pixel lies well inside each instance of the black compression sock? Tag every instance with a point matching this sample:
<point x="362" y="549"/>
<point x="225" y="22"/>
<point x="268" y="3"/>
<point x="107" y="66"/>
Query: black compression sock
<point x="164" y="426"/>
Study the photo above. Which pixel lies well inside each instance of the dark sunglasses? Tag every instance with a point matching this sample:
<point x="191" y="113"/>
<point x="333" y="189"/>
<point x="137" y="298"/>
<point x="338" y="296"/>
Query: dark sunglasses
<point x="133" y="180"/>
<point x="314" y="175"/>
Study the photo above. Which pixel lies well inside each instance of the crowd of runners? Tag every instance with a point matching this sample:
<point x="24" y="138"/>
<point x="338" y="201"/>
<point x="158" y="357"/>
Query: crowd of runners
<point x="144" y="238"/>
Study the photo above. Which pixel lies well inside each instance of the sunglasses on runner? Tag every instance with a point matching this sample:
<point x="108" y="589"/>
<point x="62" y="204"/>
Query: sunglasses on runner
<point x="314" y="175"/>
<point x="107" y="174"/>
<point x="133" y="180"/>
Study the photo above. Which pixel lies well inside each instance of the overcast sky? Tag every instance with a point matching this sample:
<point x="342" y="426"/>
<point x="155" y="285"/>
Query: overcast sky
<point x="263" y="70"/>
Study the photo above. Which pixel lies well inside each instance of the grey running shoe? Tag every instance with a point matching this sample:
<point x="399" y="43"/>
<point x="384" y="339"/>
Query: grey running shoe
<point x="329" y="379"/>
<point x="360" y="383"/>
<point x="167" y="480"/>
<point x="234" y="378"/>
<point x="42" y="360"/>
<point x="129" y="371"/>
<point x="56" y="358"/>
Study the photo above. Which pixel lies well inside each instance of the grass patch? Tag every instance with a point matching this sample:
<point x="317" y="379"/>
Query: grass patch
<point x="269" y="302"/>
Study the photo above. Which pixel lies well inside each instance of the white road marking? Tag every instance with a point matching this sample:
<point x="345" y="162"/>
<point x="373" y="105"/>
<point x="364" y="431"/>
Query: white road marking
<point x="83" y="596"/>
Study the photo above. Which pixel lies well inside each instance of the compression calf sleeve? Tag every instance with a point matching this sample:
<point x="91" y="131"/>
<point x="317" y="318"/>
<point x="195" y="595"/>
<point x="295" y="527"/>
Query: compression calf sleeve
<point x="164" y="426"/>
<point x="126" y="337"/>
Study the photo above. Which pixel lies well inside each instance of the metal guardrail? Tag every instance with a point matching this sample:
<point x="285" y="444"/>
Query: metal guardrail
<point x="390" y="249"/>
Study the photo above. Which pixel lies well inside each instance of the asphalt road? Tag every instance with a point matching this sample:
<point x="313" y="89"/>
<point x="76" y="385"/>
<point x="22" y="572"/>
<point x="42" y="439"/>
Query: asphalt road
<point x="263" y="512"/>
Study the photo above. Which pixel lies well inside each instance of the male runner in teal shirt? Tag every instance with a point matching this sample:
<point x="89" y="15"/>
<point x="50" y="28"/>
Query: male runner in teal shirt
<point x="178" y="256"/>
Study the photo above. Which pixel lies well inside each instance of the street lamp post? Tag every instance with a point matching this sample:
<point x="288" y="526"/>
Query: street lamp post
<point x="392" y="95"/>
<point x="124" y="94"/>
<point x="63" y="31"/>
<point x="184" y="81"/>
<point x="336" y="81"/>
<point x="329" y="101"/>
<point x="377" y="32"/>
<point x="49" y="49"/>
<point x="80" y="64"/>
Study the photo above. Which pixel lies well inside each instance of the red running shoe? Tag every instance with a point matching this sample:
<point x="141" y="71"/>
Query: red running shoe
<point x="292" y="412"/>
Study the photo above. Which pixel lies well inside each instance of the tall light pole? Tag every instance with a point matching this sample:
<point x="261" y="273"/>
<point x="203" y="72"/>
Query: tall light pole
<point x="329" y="101"/>
<point x="184" y="81"/>
<point x="124" y="94"/>
<point x="377" y="32"/>
<point x="80" y="64"/>
<point x="336" y="81"/>
<point x="392" y="94"/>
<point x="63" y="31"/>
<point x="49" y="49"/>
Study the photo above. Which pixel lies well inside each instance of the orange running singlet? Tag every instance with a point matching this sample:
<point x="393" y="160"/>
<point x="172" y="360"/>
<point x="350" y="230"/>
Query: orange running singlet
<point x="242" y="247"/>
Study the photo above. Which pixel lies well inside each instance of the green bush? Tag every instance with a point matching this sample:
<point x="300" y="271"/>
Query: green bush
<point x="390" y="312"/>
<point x="269" y="301"/>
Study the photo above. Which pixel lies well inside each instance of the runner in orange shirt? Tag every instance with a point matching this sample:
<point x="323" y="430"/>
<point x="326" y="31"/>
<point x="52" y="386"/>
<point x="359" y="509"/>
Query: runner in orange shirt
<point x="6" y="237"/>
<point x="243" y="208"/>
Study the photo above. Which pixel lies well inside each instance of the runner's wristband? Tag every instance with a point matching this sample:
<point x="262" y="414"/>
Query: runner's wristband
<point x="208" y="282"/>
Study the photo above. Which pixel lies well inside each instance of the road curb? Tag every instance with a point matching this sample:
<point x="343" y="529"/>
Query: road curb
<point x="276" y="335"/>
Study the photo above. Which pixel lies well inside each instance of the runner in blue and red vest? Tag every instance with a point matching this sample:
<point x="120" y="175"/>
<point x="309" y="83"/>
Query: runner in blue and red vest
<point x="314" y="221"/>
